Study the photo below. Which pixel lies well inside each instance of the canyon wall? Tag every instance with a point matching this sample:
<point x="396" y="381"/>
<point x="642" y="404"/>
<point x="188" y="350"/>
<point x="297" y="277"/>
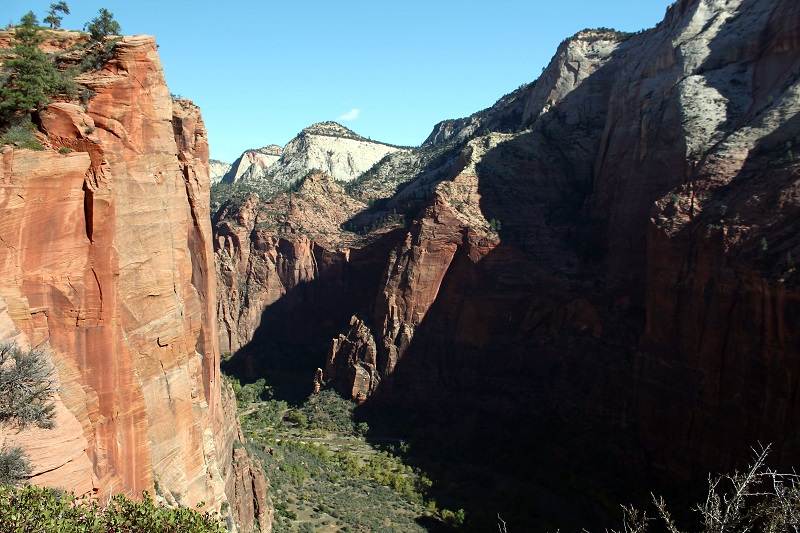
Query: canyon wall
<point x="107" y="261"/>
<point x="641" y="272"/>
<point x="613" y="242"/>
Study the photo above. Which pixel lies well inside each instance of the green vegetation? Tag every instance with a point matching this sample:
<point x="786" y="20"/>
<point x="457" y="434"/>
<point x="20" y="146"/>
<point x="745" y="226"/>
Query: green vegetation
<point x="46" y="510"/>
<point x="101" y="49"/>
<point x="102" y="26"/>
<point x="32" y="79"/>
<point x="27" y="388"/>
<point x="53" y="18"/>
<point x="327" y="476"/>
<point x="595" y="34"/>
<point x="22" y="136"/>
<point x="251" y="392"/>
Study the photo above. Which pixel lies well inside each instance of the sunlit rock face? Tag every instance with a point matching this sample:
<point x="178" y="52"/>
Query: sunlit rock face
<point x="323" y="147"/>
<point x="108" y="264"/>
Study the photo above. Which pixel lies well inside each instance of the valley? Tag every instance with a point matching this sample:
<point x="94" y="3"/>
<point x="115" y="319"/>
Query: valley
<point x="578" y="297"/>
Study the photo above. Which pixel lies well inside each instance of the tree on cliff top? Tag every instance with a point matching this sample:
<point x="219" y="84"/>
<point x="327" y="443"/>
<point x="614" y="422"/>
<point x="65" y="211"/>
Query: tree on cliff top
<point x="53" y="18"/>
<point x="102" y="26"/>
<point x="27" y="388"/>
<point x="32" y="78"/>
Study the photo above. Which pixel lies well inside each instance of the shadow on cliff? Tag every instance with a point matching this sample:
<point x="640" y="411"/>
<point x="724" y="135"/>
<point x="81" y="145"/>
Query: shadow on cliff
<point x="295" y="332"/>
<point x="516" y="392"/>
<point x="730" y="261"/>
<point x="512" y="394"/>
<point x="508" y="410"/>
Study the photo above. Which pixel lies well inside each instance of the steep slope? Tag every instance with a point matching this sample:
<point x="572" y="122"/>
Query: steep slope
<point x="217" y="170"/>
<point x="106" y="248"/>
<point x="612" y="247"/>
<point x="327" y="147"/>
<point x="252" y="164"/>
<point x="282" y="246"/>
<point x="644" y="256"/>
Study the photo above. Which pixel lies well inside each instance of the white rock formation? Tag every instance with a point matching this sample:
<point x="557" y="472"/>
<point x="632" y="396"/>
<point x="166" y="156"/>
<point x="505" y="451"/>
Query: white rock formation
<point x="326" y="146"/>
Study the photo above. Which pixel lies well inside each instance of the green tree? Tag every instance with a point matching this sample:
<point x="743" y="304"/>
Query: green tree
<point x="27" y="388"/>
<point x="53" y="18"/>
<point x="31" y="77"/>
<point x="102" y="25"/>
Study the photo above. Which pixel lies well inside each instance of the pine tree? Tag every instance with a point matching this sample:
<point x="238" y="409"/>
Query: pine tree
<point x="27" y="388"/>
<point x="102" y="25"/>
<point x="32" y="78"/>
<point x="53" y="18"/>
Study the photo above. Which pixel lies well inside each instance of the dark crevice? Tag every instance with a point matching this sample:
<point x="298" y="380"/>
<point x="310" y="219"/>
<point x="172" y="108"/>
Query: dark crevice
<point x="88" y="211"/>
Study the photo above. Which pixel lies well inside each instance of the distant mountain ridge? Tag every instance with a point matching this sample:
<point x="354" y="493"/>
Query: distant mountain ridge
<point x="326" y="146"/>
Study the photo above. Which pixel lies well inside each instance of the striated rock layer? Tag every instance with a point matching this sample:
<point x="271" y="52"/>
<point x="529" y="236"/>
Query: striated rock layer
<point x="107" y="262"/>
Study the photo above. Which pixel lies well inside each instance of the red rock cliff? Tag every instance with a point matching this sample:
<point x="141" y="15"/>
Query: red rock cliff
<point x="643" y="273"/>
<point x="107" y="261"/>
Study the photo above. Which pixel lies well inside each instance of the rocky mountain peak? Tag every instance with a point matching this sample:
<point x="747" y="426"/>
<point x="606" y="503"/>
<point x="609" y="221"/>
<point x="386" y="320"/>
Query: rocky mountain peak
<point x="325" y="146"/>
<point x="272" y="149"/>
<point x="332" y="129"/>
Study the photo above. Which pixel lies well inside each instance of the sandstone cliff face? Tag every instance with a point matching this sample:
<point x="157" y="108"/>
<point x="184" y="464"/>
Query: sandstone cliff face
<point x="614" y="242"/>
<point x="626" y="244"/>
<point x="285" y="265"/>
<point x="252" y="164"/>
<point x="107" y="261"/>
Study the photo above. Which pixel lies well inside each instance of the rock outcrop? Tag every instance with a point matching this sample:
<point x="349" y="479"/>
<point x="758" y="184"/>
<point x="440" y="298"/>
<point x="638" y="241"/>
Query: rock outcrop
<point x="252" y="164"/>
<point x="290" y="250"/>
<point x="107" y="262"/>
<point x="217" y="170"/>
<point x="324" y="147"/>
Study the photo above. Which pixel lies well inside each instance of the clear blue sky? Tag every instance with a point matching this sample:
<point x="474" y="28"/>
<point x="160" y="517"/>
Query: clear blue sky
<point x="263" y="70"/>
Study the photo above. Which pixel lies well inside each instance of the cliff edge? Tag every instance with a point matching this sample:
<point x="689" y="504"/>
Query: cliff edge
<point x="107" y="262"/>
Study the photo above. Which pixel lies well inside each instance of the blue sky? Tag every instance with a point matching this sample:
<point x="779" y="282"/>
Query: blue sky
<point x="263" y="70"/>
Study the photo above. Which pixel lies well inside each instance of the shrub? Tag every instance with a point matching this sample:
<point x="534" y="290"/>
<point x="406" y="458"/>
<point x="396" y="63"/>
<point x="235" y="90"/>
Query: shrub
<point x="47" y="510"/>
<point x="14" y="465"/>
<point x="297" y="417"/>
<point x="27" y="388"/>
<point x="98" y="55"/>
<point x="26" y="399"/>
<point x="758" y="499"/>
<point x="22" y="136"/>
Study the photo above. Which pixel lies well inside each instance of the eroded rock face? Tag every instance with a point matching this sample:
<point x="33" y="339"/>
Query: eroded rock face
<point x="628" y="243"/>
<point x="108" y="263"/>
<point x="614" y="242"/>
<point x="252" y="164"/>
<point x="217" y="170"/>
<point x="289" y="250"/>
